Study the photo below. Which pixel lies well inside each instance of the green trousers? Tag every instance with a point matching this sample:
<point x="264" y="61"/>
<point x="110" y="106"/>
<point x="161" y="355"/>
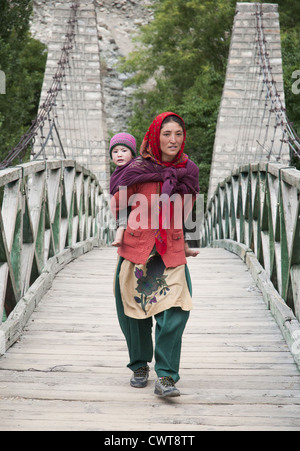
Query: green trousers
<point x="170" y="326"/>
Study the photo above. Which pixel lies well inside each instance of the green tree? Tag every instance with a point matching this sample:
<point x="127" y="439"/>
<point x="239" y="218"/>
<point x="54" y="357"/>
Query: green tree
<point x="23" y="61"/>
<point x="184" y="52"/>
<point x="290" y="33"/>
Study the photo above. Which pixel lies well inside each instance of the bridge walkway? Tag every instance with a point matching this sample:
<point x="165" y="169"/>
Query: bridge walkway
<point x="68" y="370"/>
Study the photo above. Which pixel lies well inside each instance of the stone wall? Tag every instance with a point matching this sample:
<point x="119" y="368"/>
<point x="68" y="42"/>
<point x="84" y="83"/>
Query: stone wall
<point x="118" y="23"/>
<point x="244" y="115"/>
<point x="94" y="102"/>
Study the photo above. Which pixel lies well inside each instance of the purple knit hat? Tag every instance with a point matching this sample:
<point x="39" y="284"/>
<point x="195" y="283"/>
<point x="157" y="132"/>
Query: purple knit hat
<point x="123" y="139"/>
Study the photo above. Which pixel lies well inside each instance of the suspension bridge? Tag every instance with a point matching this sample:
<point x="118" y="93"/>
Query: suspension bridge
<point x="63" y="356"/>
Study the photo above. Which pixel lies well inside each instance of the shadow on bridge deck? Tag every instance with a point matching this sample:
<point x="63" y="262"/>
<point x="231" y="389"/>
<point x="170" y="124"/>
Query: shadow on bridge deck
<point x="68" y="370"/>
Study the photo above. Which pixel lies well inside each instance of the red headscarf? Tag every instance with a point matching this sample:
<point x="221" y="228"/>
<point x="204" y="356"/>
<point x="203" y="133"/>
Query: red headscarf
<point x="151" y="145"/>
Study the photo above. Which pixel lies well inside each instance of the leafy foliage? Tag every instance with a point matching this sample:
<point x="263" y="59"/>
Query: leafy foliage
<point x="23" y="61"/>
<point x="183" y="55"/>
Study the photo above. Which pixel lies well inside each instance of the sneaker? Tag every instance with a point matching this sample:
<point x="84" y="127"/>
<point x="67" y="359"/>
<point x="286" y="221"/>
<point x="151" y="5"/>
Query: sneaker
<point x="140" y="377"/>
<point x="165" y="386"/>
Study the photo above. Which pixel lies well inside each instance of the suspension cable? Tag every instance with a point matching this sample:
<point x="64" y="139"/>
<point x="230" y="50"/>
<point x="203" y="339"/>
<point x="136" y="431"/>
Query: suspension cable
<point x="289" y="135"/>
<point x="46" y="108"/>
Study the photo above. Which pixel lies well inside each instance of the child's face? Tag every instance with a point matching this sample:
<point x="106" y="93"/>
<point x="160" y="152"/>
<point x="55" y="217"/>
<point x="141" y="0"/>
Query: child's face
<point x="121" y="155"/>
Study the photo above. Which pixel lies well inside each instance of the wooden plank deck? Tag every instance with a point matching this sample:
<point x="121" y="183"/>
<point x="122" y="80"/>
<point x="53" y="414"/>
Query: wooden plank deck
<point x="68" y="371"/>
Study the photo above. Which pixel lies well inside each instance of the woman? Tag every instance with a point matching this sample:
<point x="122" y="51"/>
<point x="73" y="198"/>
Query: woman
<point x="152" y="278"/>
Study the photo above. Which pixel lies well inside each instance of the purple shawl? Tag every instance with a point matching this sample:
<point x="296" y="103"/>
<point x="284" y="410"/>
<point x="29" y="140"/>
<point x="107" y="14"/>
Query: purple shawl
<point x="180" y="180"/>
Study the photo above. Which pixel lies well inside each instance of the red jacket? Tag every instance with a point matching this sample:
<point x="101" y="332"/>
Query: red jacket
<point x="138" y="242"/>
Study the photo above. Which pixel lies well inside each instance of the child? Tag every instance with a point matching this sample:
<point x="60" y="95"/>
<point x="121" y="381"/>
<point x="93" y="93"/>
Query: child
<point x="122" y="151"/>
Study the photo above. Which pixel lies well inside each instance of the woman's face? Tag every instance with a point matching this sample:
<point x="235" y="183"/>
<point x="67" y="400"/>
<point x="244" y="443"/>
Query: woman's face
<point x="171" y="140"/>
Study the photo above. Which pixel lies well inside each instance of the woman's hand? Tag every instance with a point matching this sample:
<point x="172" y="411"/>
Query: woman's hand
<point x="116" y="243"/>
<point x="119" y="237"/>
<point x="190" y="252"/>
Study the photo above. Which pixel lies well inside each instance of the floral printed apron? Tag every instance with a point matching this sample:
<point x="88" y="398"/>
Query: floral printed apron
<point x="152" y="288"/>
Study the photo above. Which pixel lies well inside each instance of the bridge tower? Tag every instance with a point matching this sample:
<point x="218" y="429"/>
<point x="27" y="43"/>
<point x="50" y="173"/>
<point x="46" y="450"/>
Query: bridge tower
<point x="248" y="119"/>
<point x="79" y="107"/>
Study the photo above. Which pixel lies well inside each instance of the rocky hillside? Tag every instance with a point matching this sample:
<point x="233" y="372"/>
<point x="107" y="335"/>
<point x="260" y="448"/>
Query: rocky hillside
<point x="118" y="22"/>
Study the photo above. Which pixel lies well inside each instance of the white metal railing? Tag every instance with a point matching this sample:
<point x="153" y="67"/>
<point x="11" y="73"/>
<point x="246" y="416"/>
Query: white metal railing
<point x="46" y="208"/>
<point x="259" y="206"/>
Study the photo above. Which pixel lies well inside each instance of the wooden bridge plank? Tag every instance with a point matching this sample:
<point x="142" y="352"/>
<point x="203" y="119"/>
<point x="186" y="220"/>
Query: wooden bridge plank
<point x="68" y="370"/>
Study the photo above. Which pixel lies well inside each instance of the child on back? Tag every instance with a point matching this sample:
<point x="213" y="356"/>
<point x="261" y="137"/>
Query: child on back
<point x="122" y="150"/>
